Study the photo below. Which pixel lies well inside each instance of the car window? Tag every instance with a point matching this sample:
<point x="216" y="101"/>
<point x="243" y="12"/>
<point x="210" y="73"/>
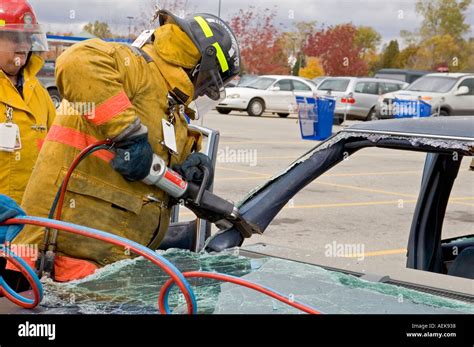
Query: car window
<point x="389" y="87"/>
<point x="285" y="85"/>
<point x="261" y="83"/>
<point x="468" y="83"/>
<point x="433" y="84"/>
<point x="366" y="88"/>
<point x="297" y="85"/>
<point x="337" y="85"/>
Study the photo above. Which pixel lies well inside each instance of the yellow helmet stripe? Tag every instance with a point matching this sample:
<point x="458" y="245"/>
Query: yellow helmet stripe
<point x="204" y="26"/>
<point x="221" y="57"/>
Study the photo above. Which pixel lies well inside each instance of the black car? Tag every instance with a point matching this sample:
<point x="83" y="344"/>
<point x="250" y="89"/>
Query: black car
<point x="408" y="76"/>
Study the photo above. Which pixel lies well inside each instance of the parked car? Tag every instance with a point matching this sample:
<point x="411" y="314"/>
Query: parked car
<point x="451" y="93"/>
<point x="272" y="93"/>
<point x="47" y="79"/>
<point x="403" y="75"/>
<point x="356" y="97"/>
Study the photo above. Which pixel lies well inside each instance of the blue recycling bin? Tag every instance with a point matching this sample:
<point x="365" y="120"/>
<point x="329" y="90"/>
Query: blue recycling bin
<point x="410" y="108"/>
<point x="316" y="117"/>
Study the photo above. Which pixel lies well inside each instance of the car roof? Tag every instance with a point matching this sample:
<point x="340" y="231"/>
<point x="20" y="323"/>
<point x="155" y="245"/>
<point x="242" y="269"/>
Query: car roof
<point x="374" y="79"/>
<point x="448" y="128"/>
<point x="367" y="79"/>
<point x="285" y="76"/>
<point x="403" y="71"/>
<point x="450" y="74"/>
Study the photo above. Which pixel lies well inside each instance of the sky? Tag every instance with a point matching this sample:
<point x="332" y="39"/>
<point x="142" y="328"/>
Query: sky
<point x="388" y="17"/>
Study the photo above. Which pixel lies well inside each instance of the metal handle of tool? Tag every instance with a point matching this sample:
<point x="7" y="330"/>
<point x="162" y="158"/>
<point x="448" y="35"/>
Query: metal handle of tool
<point x="197" y="198"/>
<point x="204" y="184"/>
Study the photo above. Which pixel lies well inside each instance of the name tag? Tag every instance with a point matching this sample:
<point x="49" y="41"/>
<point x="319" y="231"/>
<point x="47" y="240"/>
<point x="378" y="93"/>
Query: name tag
<point x="10" y="139"/>
<point x="169" y="136"/>
<point x="143" y="38"/>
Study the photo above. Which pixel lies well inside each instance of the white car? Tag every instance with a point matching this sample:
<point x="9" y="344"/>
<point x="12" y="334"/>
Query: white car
<point x="450" y="93"/>
<point x="271" y="93"/>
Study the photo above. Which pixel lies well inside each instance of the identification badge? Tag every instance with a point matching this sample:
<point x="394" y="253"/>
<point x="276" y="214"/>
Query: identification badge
<point x="143" y="38"/>
<point x="169" y="136"/>
<point x="10" y="139"/>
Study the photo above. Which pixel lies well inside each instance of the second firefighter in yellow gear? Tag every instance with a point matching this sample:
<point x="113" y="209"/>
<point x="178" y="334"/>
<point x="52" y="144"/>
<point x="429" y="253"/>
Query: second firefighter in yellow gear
<point x="25" y="104"/>
<point x="112" y="91"/>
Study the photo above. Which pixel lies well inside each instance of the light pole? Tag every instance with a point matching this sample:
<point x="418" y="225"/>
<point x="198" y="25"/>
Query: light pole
<point x="219" y="12"/>
<point x="130" y="26"/>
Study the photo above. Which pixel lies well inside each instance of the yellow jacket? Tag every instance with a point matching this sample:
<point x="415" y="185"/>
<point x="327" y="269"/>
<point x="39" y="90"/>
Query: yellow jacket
<point x="34" y="114"/>
<point x="122" y="86"/>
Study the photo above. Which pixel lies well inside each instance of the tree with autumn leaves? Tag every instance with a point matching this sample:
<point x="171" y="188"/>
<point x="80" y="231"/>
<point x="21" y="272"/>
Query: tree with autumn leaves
<point x="336" y="50"/>
<point x="310" y="50"/>
<point x="261" y="45"/>
<point x="349" y="50"/>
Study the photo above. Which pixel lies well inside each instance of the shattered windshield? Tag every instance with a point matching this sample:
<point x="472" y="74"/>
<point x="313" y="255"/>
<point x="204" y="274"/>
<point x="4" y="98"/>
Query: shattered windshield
<point x="132" y="287"/>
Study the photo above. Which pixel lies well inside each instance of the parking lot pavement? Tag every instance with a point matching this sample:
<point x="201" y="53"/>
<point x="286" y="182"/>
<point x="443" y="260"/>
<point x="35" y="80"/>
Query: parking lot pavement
<point x="366" y="202"/>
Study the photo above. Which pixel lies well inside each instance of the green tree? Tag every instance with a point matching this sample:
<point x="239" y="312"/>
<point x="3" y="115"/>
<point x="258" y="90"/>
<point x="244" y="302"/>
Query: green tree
<point x="99" y="29"/>
<point x="367" y="38"/>
<point x="407" y="57"/>
<point x="443" y="17"/>
<point x="441" y="50"/>
<point x="390" y="55"/>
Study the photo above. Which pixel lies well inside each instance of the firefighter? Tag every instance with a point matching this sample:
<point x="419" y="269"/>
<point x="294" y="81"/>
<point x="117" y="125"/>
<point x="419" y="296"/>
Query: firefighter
<point x="128" y="95"/>
<point x="26" y="110"/>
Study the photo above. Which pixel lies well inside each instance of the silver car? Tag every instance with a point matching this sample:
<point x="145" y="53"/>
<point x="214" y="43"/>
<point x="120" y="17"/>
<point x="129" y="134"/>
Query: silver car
<point x="46" y="77"/>
<point x="357" y="97"/>
<point x="450" y="94"/>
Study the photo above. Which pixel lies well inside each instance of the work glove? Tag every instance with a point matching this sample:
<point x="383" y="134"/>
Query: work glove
<point x="192" y="171"/>
<point x="133" y="158"/>
<point x="9" y="209"/>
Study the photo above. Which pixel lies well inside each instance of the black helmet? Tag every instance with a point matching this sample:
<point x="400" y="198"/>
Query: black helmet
<point x="220" y="53"/>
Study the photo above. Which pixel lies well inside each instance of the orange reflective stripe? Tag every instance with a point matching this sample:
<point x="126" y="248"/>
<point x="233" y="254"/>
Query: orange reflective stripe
<point x="68" y="269"/>
<point x="110" y="108"/>
<point x="65" y="268"/>
<point x="76" y="139"/>
<point x="40" y="143"/>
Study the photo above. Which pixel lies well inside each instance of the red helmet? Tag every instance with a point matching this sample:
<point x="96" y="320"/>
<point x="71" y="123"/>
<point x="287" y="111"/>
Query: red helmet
<point x="18" y="24"/>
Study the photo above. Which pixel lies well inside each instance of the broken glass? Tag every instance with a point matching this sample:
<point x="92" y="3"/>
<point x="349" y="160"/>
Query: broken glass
<point x="132" y="287"/>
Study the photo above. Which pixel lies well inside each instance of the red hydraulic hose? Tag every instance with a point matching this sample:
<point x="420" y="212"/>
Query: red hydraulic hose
<point x="73" y="166"/>
<point x="234" y="280"/>
<point x="36" y="290"/>
<point x="162" y="304"/>
<point x="71" y="229"/>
